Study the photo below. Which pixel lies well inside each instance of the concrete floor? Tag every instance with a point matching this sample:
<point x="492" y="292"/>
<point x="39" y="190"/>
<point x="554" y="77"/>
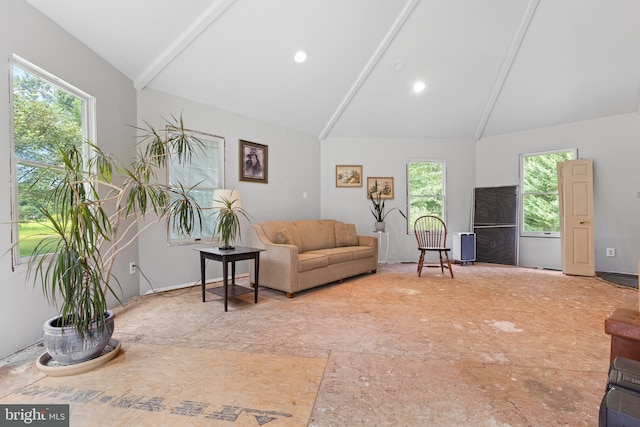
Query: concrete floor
<point x="496" y="346"/>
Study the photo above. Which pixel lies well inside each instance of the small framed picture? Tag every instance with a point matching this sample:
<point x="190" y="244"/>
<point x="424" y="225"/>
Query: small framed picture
<point x="380" y="185"/>
<point x="254" y="162"/>
<point x="348" y="175"/>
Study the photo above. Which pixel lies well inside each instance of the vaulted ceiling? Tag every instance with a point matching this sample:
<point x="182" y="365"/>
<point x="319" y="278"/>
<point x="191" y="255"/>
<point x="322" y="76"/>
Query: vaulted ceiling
<point x="490" y="66"/>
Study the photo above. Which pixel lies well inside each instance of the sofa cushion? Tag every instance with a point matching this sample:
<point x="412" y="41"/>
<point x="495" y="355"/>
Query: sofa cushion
<point x="281" y="232"/>
<point x="309" y="261"/>
<point x="328" y="227"/>
<point x="336" y="255"/>
<point x="315" y="234"/>
<point x="361" y="252"/>
<point x="346" y="235"/>
<point x="282" y="237"/>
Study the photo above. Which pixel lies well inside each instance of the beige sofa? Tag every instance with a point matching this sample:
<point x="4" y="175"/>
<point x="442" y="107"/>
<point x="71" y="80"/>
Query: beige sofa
<point x="303" y="254"/>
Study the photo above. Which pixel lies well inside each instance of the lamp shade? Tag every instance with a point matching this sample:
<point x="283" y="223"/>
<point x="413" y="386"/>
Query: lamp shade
<point x="220" y="195"/>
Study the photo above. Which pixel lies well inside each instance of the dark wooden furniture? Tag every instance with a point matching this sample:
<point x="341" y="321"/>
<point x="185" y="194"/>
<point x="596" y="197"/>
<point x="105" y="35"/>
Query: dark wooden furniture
<point x="239" y="253"/>
<point x="623" y="325"/>
<point x="431" y="234"/>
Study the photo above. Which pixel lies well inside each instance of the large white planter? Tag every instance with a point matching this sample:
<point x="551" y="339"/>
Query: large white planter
<point x="64" y="346"/>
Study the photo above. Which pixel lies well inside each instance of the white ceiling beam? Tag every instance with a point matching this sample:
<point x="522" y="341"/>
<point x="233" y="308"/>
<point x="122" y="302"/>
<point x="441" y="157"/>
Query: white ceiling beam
<point x="506" y="67"/>
<point x="364" y="74"/>
<point x="213" y="12"/>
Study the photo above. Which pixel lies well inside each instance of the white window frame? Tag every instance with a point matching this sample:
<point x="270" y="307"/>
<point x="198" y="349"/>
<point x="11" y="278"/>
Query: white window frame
<point x="88" y="134"/>
<point x="207" y="211"/>
<point x="410" y="196"/>
<point x="523" y="156"/>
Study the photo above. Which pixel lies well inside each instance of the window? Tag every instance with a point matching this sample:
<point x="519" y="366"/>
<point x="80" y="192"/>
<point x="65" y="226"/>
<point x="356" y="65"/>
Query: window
<point x="539" y="187"/>
<point x="426" y="189"/>
<point x="46" y="112"/>
<point x="204" y="174"/>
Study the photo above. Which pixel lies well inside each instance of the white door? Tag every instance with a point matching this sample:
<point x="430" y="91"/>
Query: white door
<point x="575" y="188"/>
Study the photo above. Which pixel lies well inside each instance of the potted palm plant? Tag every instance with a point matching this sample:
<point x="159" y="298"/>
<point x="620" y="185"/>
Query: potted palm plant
<point x="95" y="209"/>
<point x="378" y="208"/>
<point x="226" y="226"/>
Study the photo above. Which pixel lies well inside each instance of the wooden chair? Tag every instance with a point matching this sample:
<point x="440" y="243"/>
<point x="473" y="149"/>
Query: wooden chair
<point x="431" y="233"/>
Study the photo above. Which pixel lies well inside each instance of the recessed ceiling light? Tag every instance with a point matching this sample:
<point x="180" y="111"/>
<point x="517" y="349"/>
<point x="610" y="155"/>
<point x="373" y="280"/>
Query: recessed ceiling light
<point x="300" y="57"/>
<point x="419" y="86"/>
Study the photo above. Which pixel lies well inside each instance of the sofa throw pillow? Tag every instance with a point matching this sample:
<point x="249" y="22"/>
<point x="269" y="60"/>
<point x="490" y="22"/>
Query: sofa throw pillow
<point x="282" y="237"/>
<point x="346" y="235"/>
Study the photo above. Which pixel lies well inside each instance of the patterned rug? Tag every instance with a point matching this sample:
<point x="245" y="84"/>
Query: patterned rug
<point x="149" y="385"/>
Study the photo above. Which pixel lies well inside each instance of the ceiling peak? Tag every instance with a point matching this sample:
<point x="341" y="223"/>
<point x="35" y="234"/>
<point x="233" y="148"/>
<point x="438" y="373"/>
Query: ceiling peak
<point x="377" y="54"/>
<point x="506" y="66"/>
<point x="212" y="13"/>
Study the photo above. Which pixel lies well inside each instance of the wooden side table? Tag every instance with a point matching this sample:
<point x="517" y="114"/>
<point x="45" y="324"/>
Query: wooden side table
<point x="623" y="325"/>
<point x="239" y="253"/>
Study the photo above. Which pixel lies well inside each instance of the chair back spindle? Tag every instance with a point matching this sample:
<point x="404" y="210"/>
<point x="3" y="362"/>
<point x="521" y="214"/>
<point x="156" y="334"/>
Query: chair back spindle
<point x="431" y="234"/>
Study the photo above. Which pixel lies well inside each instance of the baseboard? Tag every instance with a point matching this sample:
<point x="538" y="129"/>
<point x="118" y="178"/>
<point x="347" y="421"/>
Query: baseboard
<point x="188" y="285"/>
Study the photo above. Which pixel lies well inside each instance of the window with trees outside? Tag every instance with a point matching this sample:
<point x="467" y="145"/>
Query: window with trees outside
<point x="203" y="174"/>
<point x="46" y="112"/>
<point x="539" y="187"/>
<point x="426" y="190"/>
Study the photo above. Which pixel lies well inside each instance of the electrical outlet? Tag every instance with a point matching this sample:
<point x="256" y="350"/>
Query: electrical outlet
<point x="132" y="268"/>
<point x="611" y="252"/>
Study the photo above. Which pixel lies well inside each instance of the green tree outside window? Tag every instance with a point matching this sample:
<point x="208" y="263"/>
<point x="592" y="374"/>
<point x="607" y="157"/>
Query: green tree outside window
<point x="426" y="189"/>
<point x="43" y="115"/>
<point x="541" y="211"/>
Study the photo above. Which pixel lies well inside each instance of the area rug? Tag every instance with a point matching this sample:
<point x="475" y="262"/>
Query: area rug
<point x="162" y="385"/>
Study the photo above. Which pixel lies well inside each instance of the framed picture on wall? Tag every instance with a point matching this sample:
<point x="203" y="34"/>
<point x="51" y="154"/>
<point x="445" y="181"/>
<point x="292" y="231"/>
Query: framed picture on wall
<point x="348" y="175"/>
<point x="380" y="185"/>
<point x="254" y="162"/>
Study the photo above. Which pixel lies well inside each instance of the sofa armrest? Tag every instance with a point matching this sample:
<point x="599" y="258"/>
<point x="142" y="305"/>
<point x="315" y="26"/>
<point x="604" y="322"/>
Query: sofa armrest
<point x="278" y="263"/>
<point x="371" y="241"/>
<point x="368" y="241"/>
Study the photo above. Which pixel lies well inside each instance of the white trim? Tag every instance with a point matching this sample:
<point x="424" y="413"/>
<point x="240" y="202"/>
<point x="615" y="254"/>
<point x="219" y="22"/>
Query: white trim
<point x="174" y="49"/>
<point x="89" y="132"/>
<point x="368" y="68"/>
<point x="220" y="141"/>
<point x="522" y="232"/>
<point x="506" y="67"/>
<point x="45" y="75"/>
<point x="444" y="190"/>
<point x="198" y="283"/>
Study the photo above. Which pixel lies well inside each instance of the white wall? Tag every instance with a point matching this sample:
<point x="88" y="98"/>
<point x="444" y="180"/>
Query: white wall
<point x="300" y="165"/>
<point x="614" y="145"/>
<point x="294" y="171"/>
<point x="27" y="33"/>
<point x="388" y="157"/>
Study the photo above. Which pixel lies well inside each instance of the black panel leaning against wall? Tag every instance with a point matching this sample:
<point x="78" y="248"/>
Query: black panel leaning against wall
<point x="495" y="222"/>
